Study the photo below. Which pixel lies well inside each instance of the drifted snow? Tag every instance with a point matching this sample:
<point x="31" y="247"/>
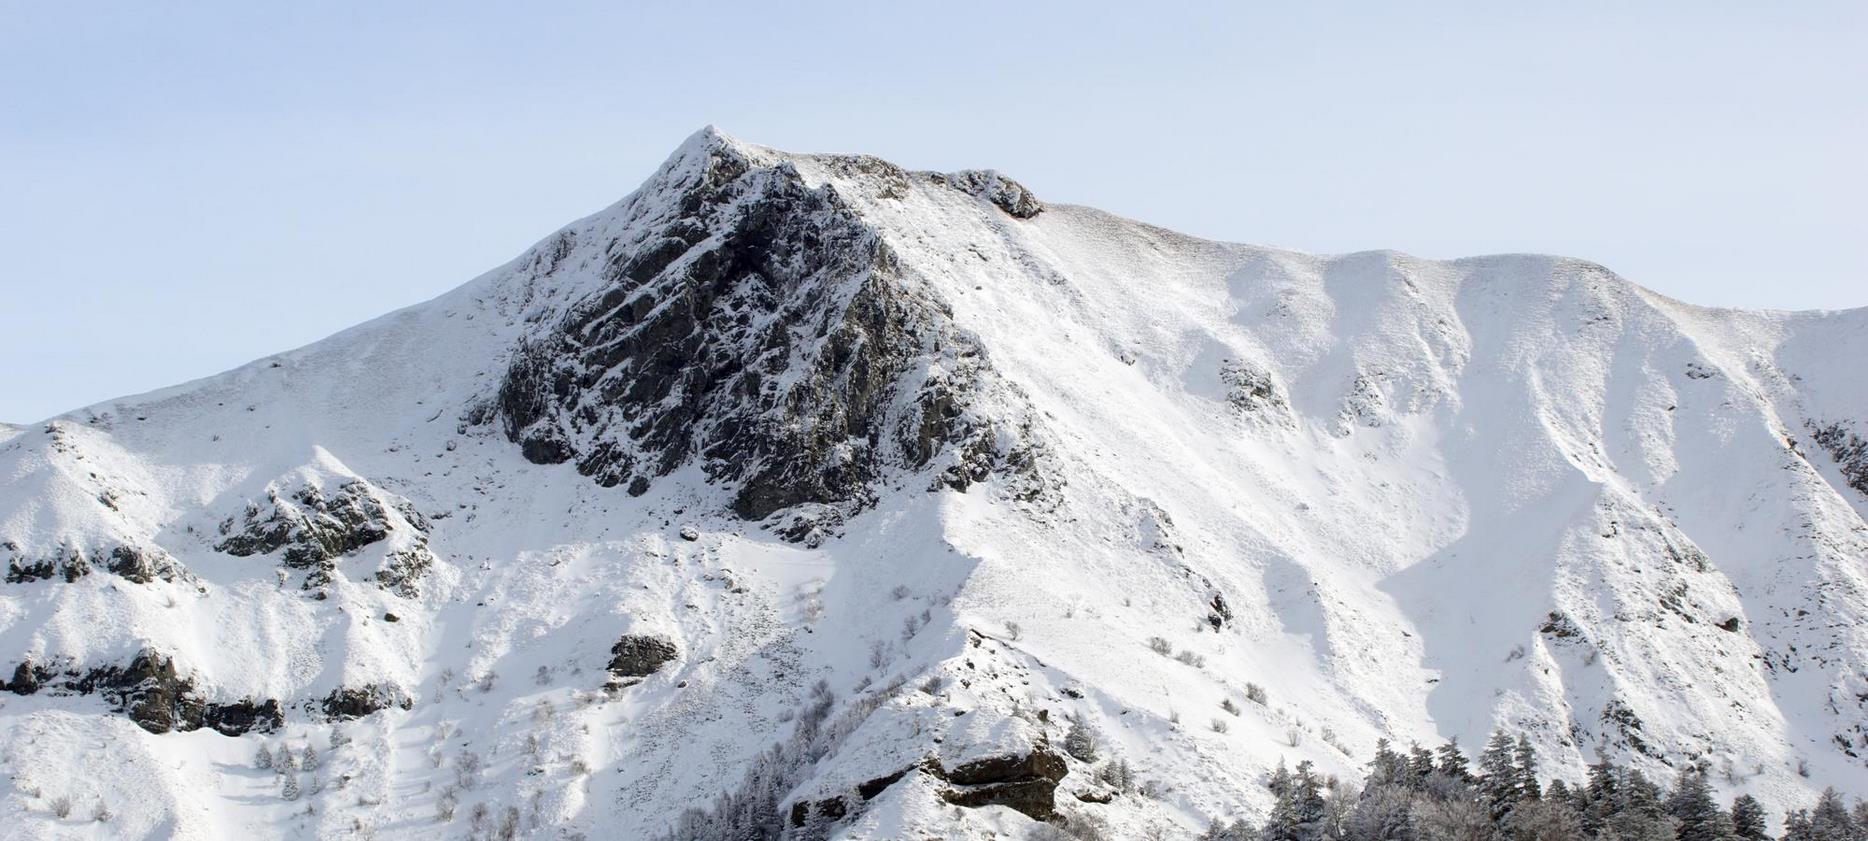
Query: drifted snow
<point x="1396" y="472"/>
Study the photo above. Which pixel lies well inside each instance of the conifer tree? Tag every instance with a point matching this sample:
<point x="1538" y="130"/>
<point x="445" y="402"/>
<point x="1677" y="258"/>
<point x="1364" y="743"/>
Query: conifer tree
<point x="1526" y="758"/>
<point x="1830" y="820"/>
<point x="263" y="759"/>
<point x="1700" y="818"/>
<point x="1419" y="764"/>
<point x="1797" y="826"/>
<point x="1080" y="741"/>
<point x="1748" y="819"/>
<point x="1388" y="767"/>
<point x="1285" y="820"/>
<point x="1546" y="819"/>
<point x="1451" y="762"/>
<point x="1600" y="798"/>
<point x="1498" y="777"/>
<point x="1308" y="799"/>
<point x="1639" y="814"/>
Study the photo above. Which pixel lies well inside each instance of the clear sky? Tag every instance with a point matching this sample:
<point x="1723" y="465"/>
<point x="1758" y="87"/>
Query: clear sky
<point x="187" y="186"/>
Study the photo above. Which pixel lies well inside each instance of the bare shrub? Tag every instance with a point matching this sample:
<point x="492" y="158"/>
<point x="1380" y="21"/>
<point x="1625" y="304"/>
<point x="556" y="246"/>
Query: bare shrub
<point x="61" y="806"/>
<point x="1219" y="725"/>
<point x="1255" y="693"/>
<point x="1229" y="706"/>
<point x="1160" y="646"/>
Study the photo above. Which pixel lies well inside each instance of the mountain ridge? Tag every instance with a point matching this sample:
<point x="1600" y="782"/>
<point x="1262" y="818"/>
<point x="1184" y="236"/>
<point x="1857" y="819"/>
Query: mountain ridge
<point x="1330" y="470"/>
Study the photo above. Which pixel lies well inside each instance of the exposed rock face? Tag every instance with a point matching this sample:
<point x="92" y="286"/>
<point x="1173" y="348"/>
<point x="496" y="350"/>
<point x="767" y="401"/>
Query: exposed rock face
<point x="1004" y="193"/>
<point x="765" y="330"/>
<point x="244" y="716"/>
<point x="69" y="564"/>
<point x="137" y="565"/>
<point x="153" y="693"/>
<point x="1849" y="451"/>
<point x="636" y="656"/>
<point x="1027" y="783"/>
<point x="348" y="702"/>
<point x="316" y="530"/>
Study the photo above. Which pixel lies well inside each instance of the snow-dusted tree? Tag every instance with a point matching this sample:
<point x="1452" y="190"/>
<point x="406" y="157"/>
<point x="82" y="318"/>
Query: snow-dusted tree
<point x="1238" y="830"/>
<point x="1339" y="801"/>
<point x="1830" y="820"/>
<point x="1451" y="820"/>
<point x="283" y="761"/>
<point x="1080" y="741"/>
<point x="508" y="828"/>
<point x="262" y="759"/>
<point x="1450" y="761"/>
<point x="1639" y="814"/>
<point x="1748" y="819"/>
<point x="1699" y="817"/>
<point x="1419" y="764"/>
<point x="1388" y="767"/>
<point x="1382" y="814"/>
<point x="1600" y="798"/>
<point x="1285" y="821"/>
<point x="1546" y="819"/>
<point x="1498" y="781"/>
<point x="308" y="759"/>
<point x="1797" y="826"/>
<point x="1526" y="758"/>
<point x="289" y="788"/>
<point x="1118" y="774"/>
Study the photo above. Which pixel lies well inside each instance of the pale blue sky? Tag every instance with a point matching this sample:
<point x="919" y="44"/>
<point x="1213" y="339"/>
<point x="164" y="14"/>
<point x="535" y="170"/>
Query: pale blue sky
<point x="184" y="187"/>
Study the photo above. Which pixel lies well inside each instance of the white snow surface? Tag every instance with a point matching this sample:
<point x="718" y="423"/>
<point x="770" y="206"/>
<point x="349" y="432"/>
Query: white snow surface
<point x="1437" y="498"/>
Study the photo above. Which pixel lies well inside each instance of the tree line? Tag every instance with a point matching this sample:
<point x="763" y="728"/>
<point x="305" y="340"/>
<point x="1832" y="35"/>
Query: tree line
<point x="1437" y="795"/>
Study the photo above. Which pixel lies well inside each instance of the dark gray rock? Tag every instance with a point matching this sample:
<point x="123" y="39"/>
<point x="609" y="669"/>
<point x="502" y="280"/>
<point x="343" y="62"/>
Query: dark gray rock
<point x="1849" y="450"/>
<point x="1024" y="782"/>
<point x="1002" y="192"/>
<point x="348" y="702"/>
<point x="765" y="331"/>
<point x="638" y="656"/>
<point x="315" y="530"/>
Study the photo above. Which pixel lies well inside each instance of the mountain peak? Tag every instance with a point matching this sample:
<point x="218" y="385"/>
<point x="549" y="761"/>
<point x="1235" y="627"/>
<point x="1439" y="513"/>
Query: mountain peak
<point x="967" y="502"/>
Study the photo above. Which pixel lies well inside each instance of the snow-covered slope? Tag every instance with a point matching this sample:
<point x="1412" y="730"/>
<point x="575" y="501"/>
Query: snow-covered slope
<point x="809" y="478"/>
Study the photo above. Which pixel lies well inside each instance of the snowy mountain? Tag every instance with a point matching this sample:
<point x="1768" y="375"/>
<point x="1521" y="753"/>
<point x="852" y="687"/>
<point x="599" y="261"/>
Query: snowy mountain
<point x="811" y="486"/>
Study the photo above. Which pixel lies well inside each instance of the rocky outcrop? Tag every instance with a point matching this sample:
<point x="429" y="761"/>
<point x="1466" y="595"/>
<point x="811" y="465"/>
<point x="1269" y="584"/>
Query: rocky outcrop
<point x="763" y="329"/>
<point x="998" y="190"/>
<point x="349" y="702"/>
<point x="315" y="530"/>
<point x="69" y="563"/>
<point x="153" y="693"/>
<point x="1849" y="450"/>
<point x="638" y="656"/>
<point x="1026" y="783"/>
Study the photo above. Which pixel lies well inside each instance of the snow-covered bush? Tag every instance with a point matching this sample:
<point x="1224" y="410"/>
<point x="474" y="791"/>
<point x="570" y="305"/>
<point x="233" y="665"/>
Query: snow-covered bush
<point x="1080" y="741"/>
